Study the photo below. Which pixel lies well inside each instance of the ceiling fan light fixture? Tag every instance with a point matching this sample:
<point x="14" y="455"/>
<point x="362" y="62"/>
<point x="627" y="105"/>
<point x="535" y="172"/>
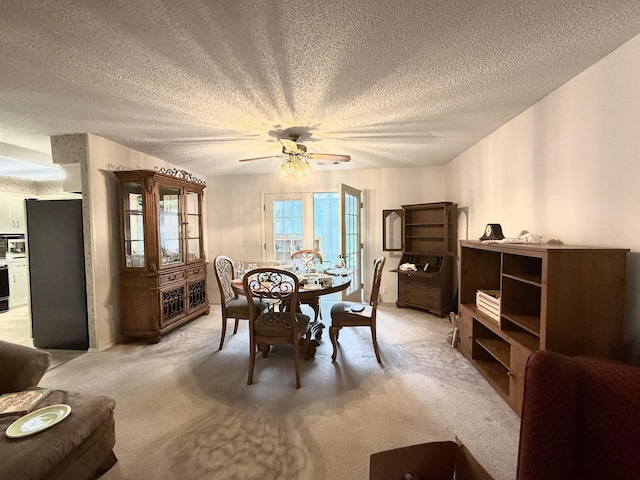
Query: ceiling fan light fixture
<point x="294" y="166"/>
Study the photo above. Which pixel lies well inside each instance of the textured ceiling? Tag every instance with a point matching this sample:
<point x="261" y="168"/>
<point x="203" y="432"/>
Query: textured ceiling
<point x="203" y="84"/>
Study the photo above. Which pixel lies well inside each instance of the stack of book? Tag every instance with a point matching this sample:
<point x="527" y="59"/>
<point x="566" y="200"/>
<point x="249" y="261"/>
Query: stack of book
<point x="488" y="302"/>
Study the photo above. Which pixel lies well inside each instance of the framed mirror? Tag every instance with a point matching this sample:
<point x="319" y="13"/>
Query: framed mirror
<point x="392" y="230"/>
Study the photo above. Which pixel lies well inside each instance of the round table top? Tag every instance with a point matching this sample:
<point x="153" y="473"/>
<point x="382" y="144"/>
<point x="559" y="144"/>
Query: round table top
<point x="339" y="284"/>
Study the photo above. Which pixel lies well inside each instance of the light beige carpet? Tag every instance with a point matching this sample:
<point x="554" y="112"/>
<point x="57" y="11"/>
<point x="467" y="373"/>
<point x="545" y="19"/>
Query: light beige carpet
<point x="184" y="409"/>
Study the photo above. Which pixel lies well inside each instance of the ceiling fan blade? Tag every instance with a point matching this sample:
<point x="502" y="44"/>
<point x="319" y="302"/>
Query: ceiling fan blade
<point x="329" y="157"/>
<point x="289" y="146"/>
<point x="259" y="158"/>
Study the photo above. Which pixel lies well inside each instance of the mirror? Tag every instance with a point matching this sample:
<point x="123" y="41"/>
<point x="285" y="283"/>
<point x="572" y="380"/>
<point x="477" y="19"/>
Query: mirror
<point x="392" y="230"/>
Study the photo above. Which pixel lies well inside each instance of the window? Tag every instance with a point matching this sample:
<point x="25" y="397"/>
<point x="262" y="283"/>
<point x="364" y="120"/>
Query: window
<point x="287" y="228"/>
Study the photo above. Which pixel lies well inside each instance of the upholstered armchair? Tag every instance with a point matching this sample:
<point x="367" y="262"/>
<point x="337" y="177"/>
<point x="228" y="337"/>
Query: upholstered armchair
<point x="580" y="421"/>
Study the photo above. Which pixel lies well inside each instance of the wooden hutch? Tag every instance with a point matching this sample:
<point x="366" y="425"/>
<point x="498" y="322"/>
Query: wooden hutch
<point x="429" y="235"/>
<point x="163" y="279"/>
<point x="562" y="298"/>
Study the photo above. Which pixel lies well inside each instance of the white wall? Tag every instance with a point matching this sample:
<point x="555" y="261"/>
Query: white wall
<point x="235" y="210"/>
<point x="567" y="168"/>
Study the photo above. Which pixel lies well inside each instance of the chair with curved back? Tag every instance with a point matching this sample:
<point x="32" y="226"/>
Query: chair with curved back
<point x="279" y="323"/>
<point x="343" y="315"/>
<point x="233" y="305"/>
<point x="309" y="259"/>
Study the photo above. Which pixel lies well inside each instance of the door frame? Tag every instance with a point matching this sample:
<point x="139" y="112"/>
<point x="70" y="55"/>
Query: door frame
<point x="356" y="295"/>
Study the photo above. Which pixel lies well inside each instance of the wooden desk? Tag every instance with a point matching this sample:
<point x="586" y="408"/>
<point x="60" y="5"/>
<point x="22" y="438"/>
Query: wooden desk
<point x="339" y="284"/>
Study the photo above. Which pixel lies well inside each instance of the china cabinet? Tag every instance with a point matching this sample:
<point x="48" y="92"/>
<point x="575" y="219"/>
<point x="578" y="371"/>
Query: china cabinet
<point x="568" y="299"/>
<point x="163" y="279"/>
<point x="429" y="235"/>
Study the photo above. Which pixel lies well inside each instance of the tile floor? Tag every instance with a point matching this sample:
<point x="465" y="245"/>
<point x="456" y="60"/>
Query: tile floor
<point x="15" y="327"/>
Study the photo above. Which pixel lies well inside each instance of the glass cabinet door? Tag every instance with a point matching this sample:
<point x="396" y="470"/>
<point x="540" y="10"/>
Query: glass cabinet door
<point x="194" y="242"/>
<point x="133" y="225"/>
<point x="170" y="226"/>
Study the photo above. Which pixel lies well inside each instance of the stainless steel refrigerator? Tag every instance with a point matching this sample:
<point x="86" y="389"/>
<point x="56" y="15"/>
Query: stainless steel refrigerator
<point x="58" y="296"/>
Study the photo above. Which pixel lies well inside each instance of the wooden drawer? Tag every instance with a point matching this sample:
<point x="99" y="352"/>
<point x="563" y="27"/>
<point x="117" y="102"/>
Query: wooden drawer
<point x="168" y="278"/>
<point x="412" y="299"/>
<point x="419" y="290"/>
<point x="198" y="271"/>
<point x="427" y="298"/>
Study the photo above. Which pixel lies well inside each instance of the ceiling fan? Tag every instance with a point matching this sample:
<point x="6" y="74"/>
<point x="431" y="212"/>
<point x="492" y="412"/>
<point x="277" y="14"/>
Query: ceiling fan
<point x="291" y="148"/>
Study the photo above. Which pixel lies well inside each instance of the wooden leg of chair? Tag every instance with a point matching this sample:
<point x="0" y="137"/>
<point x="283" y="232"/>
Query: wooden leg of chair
<point x="375" y="343"/>
<point x="235" y="327"/>
<point x="333" y="335"/>
<point x="316" y="308"/>
<point x="296" y="361"/>
<point x="252" y="361"/>
<point x="224" y="332"/>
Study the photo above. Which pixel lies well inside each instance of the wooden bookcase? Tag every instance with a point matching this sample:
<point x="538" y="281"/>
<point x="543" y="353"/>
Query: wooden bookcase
<point x="164" y="274"/>
<point x="568" y="299"/>
<point x="429" y="237"/>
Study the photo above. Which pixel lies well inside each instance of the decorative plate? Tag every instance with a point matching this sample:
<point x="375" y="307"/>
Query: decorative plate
<point x="38" y="420"/>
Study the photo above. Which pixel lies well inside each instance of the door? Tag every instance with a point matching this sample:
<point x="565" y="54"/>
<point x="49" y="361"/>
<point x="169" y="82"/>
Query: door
<point x="351" y="239"/>
<point x="170" y="225"/>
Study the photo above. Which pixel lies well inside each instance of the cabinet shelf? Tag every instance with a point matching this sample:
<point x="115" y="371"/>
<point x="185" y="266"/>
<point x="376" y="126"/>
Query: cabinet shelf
<point x="529" y="279"/>
<point x="438" y="224"/>
<point x="425" y="237"/>
<point x="496" y="374"/>
<point x="530" y="324"/>
<point x="498" y="349"/>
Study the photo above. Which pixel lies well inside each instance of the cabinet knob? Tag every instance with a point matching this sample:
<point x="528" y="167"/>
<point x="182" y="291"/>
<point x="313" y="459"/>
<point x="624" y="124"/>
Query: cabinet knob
<point x="172" y="277"/>
<point x="196" y="270"/>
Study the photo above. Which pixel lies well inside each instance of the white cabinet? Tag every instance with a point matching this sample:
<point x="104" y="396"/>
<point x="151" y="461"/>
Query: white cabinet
<point x="12" y="212"/>
<point x="18" y="283"/>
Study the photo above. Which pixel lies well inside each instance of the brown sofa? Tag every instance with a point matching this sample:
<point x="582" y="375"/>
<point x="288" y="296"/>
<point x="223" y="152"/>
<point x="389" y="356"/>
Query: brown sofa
<point x="79" y="447"/>
<point x="580" y="421"/>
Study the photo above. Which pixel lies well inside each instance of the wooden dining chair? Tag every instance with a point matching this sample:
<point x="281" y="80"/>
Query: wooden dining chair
<point x="233" y="305"/>
<point x="279" y="323"/>
<point x="348" y="314"/>
<point x="309" y="259"/>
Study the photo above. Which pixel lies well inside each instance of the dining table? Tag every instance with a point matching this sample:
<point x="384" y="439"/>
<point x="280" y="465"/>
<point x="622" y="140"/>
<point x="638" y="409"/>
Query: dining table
<point x="310" y="291"/>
